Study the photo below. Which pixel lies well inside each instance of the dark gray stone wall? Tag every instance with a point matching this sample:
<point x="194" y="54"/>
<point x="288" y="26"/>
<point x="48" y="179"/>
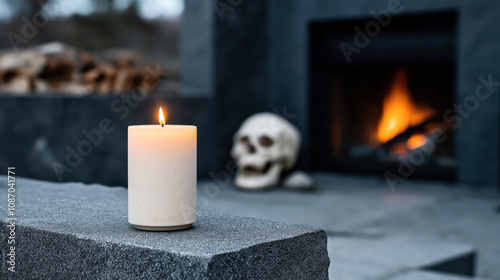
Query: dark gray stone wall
<point x="477" y="139"/>
<point x="39" y="131"/>
<point x="241" y="68"/>
<point x="196" y="48"/>
<point x="261" y="64"/>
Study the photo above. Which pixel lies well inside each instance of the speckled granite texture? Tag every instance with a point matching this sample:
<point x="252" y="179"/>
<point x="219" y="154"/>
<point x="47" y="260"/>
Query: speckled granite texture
<point x="428" y="275"/>
<point x="77" y="231"/>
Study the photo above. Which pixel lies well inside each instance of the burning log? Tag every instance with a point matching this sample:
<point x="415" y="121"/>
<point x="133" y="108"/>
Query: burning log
<point x="405" y="135"/>
<point x="417" y="143"/>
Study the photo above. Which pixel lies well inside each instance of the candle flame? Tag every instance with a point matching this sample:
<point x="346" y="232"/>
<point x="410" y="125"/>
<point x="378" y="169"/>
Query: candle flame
<point x="161" y="117"/>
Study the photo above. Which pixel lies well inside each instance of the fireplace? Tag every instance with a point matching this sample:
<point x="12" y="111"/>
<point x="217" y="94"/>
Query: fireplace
<point x="382" y="100"/>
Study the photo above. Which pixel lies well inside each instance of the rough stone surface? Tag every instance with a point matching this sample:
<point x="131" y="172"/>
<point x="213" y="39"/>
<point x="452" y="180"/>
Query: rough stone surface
<point x="366" y="208"/>
<point x="428" y="275"/>
<point x="380" y="258"/>
<point x="77" y="231"/>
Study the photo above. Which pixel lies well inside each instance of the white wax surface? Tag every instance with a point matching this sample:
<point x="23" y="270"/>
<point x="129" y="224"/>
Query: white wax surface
<point x="161" y="175"/>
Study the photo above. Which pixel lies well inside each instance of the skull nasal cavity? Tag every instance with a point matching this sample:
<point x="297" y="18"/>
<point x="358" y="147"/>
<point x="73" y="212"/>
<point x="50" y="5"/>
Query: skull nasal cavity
<point x="245" y="141"/>
<point x="251" y="149"/>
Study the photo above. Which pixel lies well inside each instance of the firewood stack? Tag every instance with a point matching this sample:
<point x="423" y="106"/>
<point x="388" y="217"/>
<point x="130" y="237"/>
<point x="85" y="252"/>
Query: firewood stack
<point x="57" y="68"/>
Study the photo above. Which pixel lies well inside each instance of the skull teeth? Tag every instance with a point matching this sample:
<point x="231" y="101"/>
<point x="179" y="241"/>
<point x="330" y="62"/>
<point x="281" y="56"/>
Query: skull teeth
<point x="254" y="170"/>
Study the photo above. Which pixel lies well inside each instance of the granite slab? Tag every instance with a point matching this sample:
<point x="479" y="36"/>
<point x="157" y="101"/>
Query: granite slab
<point x="78" y="231"/>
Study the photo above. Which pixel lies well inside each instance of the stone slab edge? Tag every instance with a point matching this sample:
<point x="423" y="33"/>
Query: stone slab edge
<point x="42" y="254"/>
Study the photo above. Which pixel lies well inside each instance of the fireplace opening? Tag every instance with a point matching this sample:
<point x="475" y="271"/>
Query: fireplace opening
<point x="387" y="106"/>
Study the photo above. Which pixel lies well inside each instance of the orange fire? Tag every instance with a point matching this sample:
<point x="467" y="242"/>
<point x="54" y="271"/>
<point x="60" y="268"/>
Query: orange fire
<point x="399" y="111"/>
<point x="161" y="117"/>
<point x="415" y="141"/>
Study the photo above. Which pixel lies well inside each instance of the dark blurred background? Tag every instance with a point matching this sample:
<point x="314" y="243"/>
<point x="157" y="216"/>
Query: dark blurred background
<point x="333" y="68"/>
<point x="397" y="103"/>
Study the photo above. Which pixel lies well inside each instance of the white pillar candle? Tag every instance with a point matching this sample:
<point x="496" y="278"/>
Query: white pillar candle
<point x="162" y="176"/>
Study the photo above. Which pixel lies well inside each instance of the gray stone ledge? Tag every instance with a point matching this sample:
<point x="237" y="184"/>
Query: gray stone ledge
<point x="429" y="275"/>
<point x="382" y="258"/>
<point x="77" y="231"/>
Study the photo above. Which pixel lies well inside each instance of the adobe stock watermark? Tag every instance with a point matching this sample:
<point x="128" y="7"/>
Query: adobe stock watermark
<point x="222" y="179"/>
<point x="11" y="220"/>
<point x="30" y="26"/>
<point x="455" y="116"/>
<point x="223" y="6"/>
<point x="372" y="29"/>
<point x="121" y="107"/>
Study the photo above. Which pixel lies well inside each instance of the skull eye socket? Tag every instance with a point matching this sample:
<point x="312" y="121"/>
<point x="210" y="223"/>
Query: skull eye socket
<point x="265" y="141"/>
<point x="244" y="140"/>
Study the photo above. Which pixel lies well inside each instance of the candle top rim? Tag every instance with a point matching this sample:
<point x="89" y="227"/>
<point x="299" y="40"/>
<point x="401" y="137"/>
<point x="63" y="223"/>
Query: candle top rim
<point x="158" y="126"/>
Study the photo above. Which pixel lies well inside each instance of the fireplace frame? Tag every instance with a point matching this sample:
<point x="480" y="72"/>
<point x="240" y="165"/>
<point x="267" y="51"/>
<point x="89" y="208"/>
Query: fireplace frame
<point x="325" y="56"/>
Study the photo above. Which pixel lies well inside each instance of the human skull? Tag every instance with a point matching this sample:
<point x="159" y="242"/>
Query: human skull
<point x="265" y="145"/>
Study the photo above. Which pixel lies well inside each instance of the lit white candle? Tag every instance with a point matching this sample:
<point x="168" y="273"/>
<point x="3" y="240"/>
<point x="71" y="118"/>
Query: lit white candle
<point x="161" y="176"/>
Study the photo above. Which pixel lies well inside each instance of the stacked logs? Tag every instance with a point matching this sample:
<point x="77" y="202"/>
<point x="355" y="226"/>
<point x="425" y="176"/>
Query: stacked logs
<point x="55" y="67"/>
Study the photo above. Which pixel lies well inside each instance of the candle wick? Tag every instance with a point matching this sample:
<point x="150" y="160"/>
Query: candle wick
<point x="162" y="125"/>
